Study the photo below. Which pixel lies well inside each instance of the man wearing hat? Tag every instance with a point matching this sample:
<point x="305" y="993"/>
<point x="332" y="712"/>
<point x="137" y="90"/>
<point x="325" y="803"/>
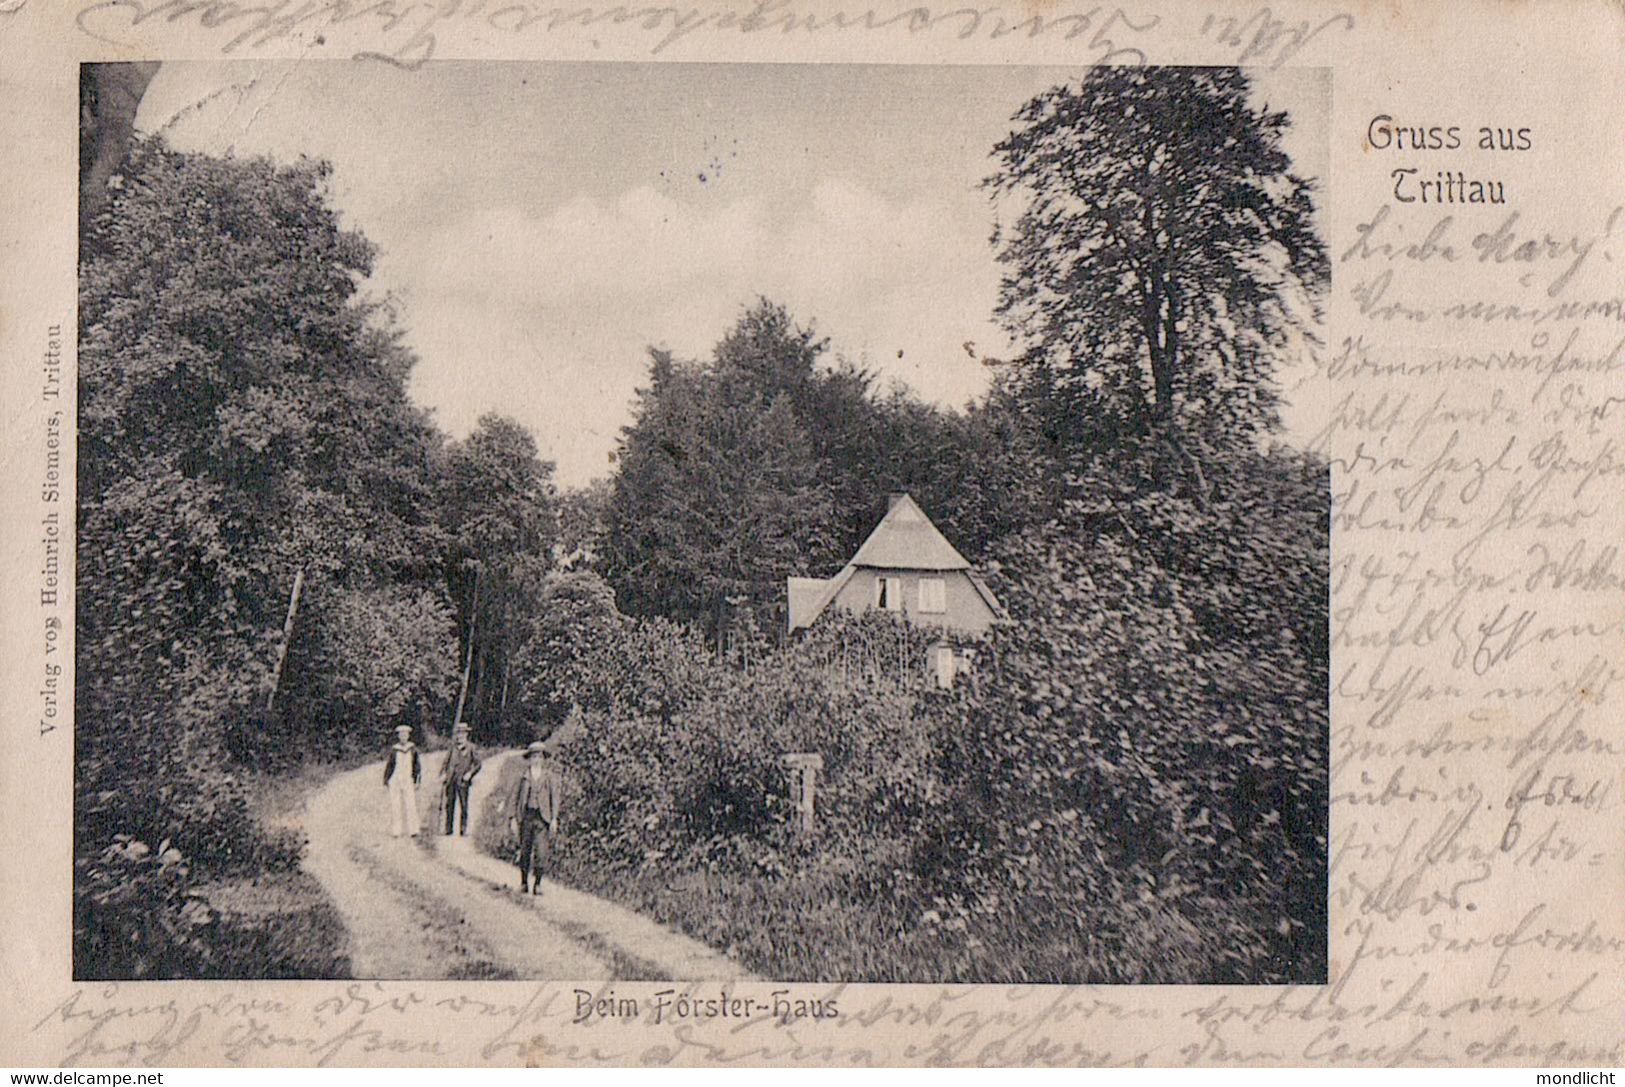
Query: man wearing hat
<point x="535" y="807"/>
<point x="462" y="763"/>
<point x="402" y="785"/>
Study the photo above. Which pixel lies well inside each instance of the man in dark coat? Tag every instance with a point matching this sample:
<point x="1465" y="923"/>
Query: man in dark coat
<point x="462" y="763"/>
<point x="535" y="817"/>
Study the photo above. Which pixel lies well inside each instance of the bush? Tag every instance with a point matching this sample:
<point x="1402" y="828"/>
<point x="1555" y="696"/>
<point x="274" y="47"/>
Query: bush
<point x="1150" y="748"/>
<point x="491" y="833"/>
<point x="677" y="779"/>
<point x="243" y="421"/>
<point x="1131" y="788"/>
<point x="705" y="778"/>
<point x="140" y="912"/>
<point x="136" y="914"/>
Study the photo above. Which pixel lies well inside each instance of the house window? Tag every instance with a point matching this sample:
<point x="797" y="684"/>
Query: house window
<point x="933" y="595"/>
<point x="889" y="593"/>
<point x="945" y="665"/>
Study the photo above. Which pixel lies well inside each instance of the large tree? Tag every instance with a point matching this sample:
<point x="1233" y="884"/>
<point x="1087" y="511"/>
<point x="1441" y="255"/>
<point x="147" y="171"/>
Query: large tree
<point x="563" y="664"/>
<point x="718" y="498"/>
<point x="1157" y="709"/>
<point x="245" y="439"/>
<point x="500" y="512"/>
<point x="1165" y="257"/>
<point x="772" y="459"/>
<point x="252" y="478"/>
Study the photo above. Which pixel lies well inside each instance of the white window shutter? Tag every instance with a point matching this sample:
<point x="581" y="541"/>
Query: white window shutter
<point x="933" y="595"/>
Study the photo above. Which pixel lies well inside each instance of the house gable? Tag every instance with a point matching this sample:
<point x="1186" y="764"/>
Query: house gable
<point x="964" y="606"/>
<point x="905" y="539"/>
<point x="906" y="550"/>
<point x="807" y="600"/>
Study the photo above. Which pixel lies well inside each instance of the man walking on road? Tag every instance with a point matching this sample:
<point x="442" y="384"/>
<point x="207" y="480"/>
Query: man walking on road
<point x="535" y="806"/>
<point x="402" y="770"/>
<point x="462" y="763"/>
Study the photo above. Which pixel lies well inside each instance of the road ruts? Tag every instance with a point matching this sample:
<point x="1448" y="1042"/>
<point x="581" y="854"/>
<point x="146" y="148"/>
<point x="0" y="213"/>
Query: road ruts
<point x="436" y="908"/>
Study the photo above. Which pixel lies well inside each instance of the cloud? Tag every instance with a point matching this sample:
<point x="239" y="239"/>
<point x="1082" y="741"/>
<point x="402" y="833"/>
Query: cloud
<point x="547" y="317"/>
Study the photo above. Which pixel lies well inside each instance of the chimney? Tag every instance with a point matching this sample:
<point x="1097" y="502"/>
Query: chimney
<point x="893" y="498"/>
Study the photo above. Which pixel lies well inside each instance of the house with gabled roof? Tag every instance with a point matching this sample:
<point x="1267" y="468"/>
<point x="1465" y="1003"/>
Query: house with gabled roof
<point x="908" y="567"/>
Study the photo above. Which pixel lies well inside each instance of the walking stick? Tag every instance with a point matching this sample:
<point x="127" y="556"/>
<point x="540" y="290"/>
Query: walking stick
<point x="440" y="808"/>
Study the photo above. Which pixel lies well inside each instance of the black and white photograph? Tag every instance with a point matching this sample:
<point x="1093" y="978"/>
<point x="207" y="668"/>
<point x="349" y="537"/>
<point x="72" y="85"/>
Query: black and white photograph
<point x="822" y="523"/>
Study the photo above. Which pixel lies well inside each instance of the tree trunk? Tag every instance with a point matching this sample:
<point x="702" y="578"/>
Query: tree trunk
<point x="287" y="636"/>
<point x="502" y="703"/>
<point x="1162" y="343"/>
<point x="468" y="658"/>
<point x="109" y="97"/>
<point x="475" y="703"/>
<point x="1170" y="349"/>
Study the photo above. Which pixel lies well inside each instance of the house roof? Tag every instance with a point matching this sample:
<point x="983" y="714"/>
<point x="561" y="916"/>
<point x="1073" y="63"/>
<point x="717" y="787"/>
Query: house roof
<point x="806" y="600"/>
<point x="986" y="594"/>
<point x="905" y="539"/>
<point x="814" y="596"/>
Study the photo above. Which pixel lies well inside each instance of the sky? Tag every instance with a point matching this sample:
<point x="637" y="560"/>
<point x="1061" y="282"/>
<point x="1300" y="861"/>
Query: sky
<point x="541" y="226"/>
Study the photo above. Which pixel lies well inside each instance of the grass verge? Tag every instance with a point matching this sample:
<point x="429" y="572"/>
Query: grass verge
<point x="798" y="927"/>
<point x="279" y="925"/>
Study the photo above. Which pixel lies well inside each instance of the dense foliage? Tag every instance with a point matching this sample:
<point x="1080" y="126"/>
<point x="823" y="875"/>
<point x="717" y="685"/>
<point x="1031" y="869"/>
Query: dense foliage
<point x="259" y="556"/>
<point x="689" y="791"/>
<point x="280" y="557"/>
<point x="1133" y="786"/>
<point x="718" y="498"/>
<point x="769" y="461"/>
<point x="1151" y="737"/>
<point x="1108" y="799"/>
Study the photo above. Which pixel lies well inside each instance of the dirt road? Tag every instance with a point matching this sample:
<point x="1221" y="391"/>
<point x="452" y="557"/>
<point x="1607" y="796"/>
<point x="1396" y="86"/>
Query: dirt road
<point x="434" y="907"/>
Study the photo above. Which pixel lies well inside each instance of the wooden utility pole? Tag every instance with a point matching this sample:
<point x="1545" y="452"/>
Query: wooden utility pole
<point x="287" y="636"/>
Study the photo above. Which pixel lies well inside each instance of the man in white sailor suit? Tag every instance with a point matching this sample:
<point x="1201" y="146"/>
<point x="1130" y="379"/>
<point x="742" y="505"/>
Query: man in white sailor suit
<point x="402" y="770"/>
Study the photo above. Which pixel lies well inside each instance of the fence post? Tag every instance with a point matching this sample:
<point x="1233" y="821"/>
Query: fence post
<point x="804" y="767"/>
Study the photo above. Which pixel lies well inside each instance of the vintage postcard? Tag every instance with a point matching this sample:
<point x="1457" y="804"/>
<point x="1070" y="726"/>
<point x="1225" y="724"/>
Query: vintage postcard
<point x="813" y="534"/>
